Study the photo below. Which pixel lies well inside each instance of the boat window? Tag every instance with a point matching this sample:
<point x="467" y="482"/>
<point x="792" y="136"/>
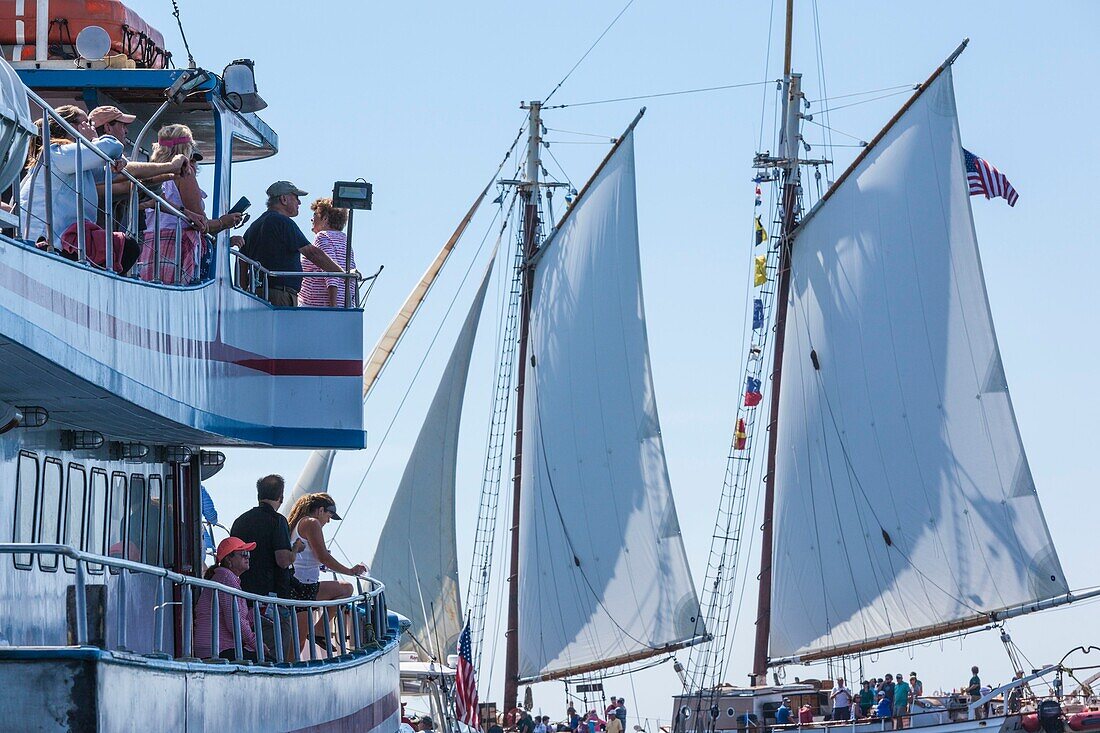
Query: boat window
<point x="151" y="547"/>
<point x="168" y="526"/>
<point x="75" y="501"/>
<point x="97" y="512"/>
<point x="50" y="515"/>
<point x="25" y="500"/>
<point x="135" y="522"/>
<point x="116" y="516"/>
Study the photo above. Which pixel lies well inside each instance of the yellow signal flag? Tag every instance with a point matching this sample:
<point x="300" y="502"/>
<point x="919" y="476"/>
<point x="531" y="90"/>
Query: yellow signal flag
<point x="761" y="273"/>
<point x="761" y="232"/>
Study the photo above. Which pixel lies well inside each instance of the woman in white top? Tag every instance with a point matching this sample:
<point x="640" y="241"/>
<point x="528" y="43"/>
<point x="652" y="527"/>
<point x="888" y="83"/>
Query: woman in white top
<point x="309" y="514"/>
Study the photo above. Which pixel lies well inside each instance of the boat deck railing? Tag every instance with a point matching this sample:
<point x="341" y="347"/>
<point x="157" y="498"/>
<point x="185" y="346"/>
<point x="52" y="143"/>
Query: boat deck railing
<point x="364" y="612"/>
<point x="106" y="212"/>
<point x="255" y="279"/>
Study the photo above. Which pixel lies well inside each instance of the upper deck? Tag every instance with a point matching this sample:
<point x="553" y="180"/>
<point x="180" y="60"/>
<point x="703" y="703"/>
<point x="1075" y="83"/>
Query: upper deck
<point x="206" y="362"/>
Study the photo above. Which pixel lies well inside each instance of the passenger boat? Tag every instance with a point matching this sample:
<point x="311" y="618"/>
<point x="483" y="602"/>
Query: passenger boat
<point x="115" y="394"/>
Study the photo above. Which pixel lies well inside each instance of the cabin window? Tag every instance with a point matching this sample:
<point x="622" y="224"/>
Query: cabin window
<point x="116" y="517"/>
<point x="75" y="502"/>
<point x="136" y="519"/>
<point x="153" y="516"/>
<point x="50" y="516"/>
<point x="26" y="496"/>
<point x="168" y="525"/>
<point x="97" y="514"/>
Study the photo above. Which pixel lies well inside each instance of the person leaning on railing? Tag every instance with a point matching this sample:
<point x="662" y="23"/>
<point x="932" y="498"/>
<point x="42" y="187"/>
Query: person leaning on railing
<point x="277" y="244"/>
<point x="67" y="211"/>
<point x="233" y="557"/>
<point x="328" y="226"/>
<point x="183" y="192"/>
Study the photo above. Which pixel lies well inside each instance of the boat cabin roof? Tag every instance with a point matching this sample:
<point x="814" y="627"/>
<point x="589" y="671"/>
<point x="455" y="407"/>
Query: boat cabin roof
<point x="141" y="91"/>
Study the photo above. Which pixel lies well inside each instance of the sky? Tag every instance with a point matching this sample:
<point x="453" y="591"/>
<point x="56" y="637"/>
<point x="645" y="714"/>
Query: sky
<point x="422" y="99"/>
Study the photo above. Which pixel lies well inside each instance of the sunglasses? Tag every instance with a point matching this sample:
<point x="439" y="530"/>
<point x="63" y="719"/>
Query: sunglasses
<point x="243" y="553"/>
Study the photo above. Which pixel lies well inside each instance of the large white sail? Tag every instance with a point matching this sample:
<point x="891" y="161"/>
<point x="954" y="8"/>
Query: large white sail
<point x="905" y="506"/>
<point x="416" y="556"/>
<point x="603" y="574"/>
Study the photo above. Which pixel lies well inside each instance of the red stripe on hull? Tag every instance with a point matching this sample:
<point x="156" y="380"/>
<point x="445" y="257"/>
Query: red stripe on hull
<point x="361" y="721"/>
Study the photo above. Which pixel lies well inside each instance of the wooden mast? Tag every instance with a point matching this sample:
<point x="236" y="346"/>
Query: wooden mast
<point x="530" y="194"/>
<point x="792" y="89"/>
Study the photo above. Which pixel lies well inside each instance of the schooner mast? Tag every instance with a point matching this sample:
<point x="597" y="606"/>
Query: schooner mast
<point x="529" y="192"/>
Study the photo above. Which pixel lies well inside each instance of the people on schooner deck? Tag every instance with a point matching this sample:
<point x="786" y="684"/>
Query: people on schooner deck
<point x="841" y="699"/>
<point x="328" y="292"/>
<point x="866" y="698"/>
<point x="974" y="689"/>
<point x="883" y="709"/>
<point x="901" y="702"/>
<point x="783" y="712"/>
<point x="916" y="687"/>
<point x="233" y="556"/>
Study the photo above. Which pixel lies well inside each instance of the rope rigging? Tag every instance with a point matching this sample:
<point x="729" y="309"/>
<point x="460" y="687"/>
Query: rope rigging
<point x="176" y="14"/>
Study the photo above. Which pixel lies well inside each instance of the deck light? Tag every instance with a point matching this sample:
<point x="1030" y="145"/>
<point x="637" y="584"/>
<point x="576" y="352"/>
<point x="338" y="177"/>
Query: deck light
<point x="81" y="440"/>
<point x="120" y="451"/>
<point x="93" y="43"/>
<point x="174" y="453"/>
<point x="33" y="416"/>
<point x="210" y="462"/>
<point x="239" y="85"/>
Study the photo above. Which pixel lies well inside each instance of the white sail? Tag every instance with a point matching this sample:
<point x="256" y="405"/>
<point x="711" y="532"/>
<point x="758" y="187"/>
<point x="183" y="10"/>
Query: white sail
<point x="905" y="506"/>
<point x="603" y="574"/>
<point x="416" y="556"/>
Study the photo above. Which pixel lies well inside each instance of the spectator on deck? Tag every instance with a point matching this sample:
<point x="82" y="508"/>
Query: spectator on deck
<point x="274" y="554"/>
<point x="276" y="242"/>
<point x="916" y="687"/>
<point x="232" y="559"/>
<point x="883" y="709"/>
<point x="67" y="210"/>
<point x="866" y="698"/>
<point x="783" y="712"/>
<point x="181" y="191"/>
<point x="620" y="711"/>
<point x="974" y="689"/>
<point x="805" y="715"/>
<point x="574" y="718"/>
<point x="614" y="725"/>
<point x="328" y="292"/>
<point x="901" y="702"/>
<point x="426" y="723"/>
<point x="841" y="699"/>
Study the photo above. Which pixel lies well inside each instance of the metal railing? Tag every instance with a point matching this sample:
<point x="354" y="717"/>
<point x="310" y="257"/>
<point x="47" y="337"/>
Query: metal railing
<point x="255" y="279"/>
<point x="158" y="204"/>
<point x="365" y="611"/>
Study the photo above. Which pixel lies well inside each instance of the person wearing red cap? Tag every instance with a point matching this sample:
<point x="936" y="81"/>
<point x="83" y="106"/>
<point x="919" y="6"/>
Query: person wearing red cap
<point x="232" y="560"/>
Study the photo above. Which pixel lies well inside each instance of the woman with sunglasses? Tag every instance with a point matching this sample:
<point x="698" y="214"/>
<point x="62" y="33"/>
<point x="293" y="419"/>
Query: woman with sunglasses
<point x="233" y="558"/>
<point x="309" y="514"/>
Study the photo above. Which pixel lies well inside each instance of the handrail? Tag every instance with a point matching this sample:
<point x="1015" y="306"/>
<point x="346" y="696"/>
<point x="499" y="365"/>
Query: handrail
<point x="986" y="698"/>
<point x="373" y="610"/>
<point x="260" y="284"/>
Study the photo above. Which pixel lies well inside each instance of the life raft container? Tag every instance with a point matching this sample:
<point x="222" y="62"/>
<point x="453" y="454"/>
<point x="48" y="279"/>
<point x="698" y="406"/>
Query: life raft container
<point x="131" y="36"/>
<point x="1086" y="720"/>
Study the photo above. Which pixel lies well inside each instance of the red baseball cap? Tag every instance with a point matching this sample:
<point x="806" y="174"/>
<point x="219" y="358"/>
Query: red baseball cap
<point x="233" y="544"/>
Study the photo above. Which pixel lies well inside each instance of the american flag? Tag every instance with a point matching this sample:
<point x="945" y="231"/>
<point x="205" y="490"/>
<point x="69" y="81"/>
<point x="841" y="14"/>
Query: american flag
<point x="987" y="180"/>
<point x="465" y="684"/>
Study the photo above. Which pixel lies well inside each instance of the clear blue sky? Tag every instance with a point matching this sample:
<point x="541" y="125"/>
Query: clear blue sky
<point x="422" y="100"/>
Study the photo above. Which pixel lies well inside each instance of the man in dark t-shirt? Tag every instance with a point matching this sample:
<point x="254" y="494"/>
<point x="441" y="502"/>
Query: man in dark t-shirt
<point x="276" y="242"/>
<point x="274" y="554"/>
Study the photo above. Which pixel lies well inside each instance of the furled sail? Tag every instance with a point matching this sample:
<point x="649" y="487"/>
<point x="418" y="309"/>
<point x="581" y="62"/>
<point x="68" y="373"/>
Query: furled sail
<point x="905" y="506"/>
<point x="416" y="556"/>
<point x="604" y="579"/>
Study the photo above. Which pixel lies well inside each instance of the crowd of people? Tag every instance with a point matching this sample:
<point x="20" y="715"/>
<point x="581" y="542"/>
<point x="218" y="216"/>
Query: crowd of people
<point x="151" y="247"/>
<point x="267" y="555"/>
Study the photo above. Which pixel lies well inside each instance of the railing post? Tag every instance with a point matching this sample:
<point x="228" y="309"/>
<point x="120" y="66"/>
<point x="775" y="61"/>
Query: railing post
<point x="109" y="216"/>
<point x="215" y="619"/>
<point x="356" y="634"/>
<point x="134" y="212"/>
<point x="81" y="243"/>
<point x="328" y="630"/>
<point x="258" y="628"/>
<point x="156" y="242"/>
<point x="278" y="631"/>
<point x="188" y="621"/>
<point x="177" y="259"/>
<point x="158" y="617"/>
<point x="238" y="649"/>
<point x="296" y="636"/>
<point x="48" y="184"/>
<point x="122" y="598"/>
<point x="310" y="635"/>
<point x="341" y="630"/>
<point x="81" y="603"/>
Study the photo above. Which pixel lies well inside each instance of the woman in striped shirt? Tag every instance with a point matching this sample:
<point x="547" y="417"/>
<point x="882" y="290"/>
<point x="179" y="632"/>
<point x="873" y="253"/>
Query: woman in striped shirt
<point x="328" y="292"/>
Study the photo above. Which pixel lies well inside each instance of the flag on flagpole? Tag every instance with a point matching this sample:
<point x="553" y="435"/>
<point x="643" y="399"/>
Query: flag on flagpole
<point x="761" y="232"/>
<point x="760" y="272"/>
<point x="986" y="180"/>
<point x="752" y="392"/>
<point x="465" y="684"/>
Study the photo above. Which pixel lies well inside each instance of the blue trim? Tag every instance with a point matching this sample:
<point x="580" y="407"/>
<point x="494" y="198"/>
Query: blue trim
<point x="100" y="78"/>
